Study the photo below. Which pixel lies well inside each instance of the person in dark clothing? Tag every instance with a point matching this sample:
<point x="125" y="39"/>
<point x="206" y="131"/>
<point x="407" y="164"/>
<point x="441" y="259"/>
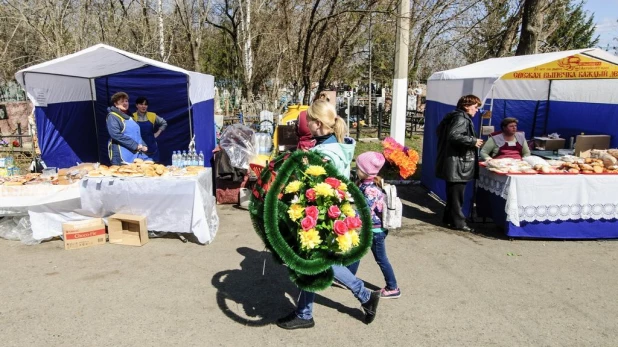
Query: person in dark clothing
<point x="457" y="161"/>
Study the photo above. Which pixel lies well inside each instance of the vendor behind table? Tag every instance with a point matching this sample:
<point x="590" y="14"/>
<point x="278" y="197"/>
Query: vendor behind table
<point x="151" y="126"/>
<point x="507" y="143"/>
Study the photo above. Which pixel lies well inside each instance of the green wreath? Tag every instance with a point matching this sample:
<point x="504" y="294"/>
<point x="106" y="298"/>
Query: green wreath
<point x="279" y="233"/>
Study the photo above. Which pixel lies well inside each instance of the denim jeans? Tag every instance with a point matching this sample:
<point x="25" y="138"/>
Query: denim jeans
<point x="304" y="310"/>
<point x="378" y="248"/>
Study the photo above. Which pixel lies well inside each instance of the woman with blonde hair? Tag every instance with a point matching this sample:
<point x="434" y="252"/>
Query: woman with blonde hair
<point x="329" y="131"/>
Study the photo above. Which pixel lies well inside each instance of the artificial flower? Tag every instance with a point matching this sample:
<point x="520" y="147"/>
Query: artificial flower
<point x="333" y="182"/>
<point x="355" y="238"/>
<point x="345" y="242"/>
<point x="340" y="194"/>
<point x="353" y="222"/>
<point x="334" y="212"/>
<point x="339" y="227"/>
<point x="315" y="170"/>
<point x="312" y="211"/>
<point x="310" y="194"/>
<point x="343" y="186"/>
<point x="348" y="210"/>
<point x="296" y="212"/>
<point x="308" y="223"/>
<point x="293" y="187"/>
<point x="323" y="189"/>
<point x="310" y="239"/>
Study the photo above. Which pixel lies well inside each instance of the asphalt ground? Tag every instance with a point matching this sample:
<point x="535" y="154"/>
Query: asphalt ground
<point x="458" y="289"/>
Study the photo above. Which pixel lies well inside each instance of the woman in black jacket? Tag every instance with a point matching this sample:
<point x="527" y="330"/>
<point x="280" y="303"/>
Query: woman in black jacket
<point x="457" y="161"/>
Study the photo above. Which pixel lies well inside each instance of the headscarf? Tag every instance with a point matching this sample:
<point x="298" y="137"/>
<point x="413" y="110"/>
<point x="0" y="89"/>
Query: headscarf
<point x="305" y="139"/>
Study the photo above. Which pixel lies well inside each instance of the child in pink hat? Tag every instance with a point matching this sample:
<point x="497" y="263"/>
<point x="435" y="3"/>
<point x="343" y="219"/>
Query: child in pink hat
<point x="368" y="165"/>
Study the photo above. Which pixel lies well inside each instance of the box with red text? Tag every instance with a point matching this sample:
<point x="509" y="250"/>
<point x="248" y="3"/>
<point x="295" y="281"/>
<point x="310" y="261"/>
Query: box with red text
<point x="85" y="233"/>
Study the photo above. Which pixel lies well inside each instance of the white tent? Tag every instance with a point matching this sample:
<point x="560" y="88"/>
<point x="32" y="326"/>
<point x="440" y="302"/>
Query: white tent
<point x="565" y="92"/>
<point x="71" y="94"/>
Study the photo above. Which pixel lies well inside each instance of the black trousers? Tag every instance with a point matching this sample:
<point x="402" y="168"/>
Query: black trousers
<point x="453" y="213"/>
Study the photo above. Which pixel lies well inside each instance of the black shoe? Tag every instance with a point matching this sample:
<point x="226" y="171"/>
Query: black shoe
<point x="291" y="322"/>
<point x="465" y="228"/>
<point x="371" y="306"/>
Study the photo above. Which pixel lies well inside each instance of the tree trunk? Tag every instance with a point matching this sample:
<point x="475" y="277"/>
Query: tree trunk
<point x="531" y="25"/>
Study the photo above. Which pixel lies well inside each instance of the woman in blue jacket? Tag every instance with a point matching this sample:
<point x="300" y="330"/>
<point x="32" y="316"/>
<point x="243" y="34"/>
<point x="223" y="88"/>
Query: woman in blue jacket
<point x="125" y="143"/>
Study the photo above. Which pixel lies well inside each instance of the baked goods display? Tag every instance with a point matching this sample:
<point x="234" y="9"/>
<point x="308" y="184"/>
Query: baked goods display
<point x="510" y="166"/>
<point x="139" y="168"/>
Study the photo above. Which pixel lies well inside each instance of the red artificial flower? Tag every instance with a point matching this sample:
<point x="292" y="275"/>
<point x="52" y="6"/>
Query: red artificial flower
<point x="333" y="182"/>
<point x="312" y="211"/>
<point x="353" y="222"/>
<point x="334" y="212"/>
<point x="310" y="194"/>
<point x="340" y="194"/>
<point x="308" y="223"/>
<point x="15" y="143"/>
<point x="340" y="228"/>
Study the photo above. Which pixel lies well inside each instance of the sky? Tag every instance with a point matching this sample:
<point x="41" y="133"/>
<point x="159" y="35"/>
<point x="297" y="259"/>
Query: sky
<point x="606" y="20"/>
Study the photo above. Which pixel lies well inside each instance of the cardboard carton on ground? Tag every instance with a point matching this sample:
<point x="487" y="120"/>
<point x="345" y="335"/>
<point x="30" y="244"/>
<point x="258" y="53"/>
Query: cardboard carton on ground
<point x="585" y="143"/>
<point x="547" y="144"/>
<point x="127" y="229"/>
<point x="85" y="233"/>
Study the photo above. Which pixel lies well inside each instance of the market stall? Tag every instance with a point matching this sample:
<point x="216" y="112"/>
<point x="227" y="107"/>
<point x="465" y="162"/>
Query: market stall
<point x="551" y="203"/>
<point x="71" y="95"/>
<point x="568" y="93"/>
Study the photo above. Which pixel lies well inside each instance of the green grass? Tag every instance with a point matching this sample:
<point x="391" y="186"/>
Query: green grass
<point x="388" y="172"/>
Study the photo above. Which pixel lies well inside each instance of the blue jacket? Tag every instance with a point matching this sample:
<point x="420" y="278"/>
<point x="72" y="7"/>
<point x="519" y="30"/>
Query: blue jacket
<point x="116" y="130"/>
<point x="338" y="154"/>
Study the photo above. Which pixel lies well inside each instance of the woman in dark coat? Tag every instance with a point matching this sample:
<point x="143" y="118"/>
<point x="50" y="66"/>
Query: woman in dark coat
<point x="457" y="161"/>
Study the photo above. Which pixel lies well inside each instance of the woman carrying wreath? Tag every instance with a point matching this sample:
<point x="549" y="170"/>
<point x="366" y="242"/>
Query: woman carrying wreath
<point x="328" y="130"/>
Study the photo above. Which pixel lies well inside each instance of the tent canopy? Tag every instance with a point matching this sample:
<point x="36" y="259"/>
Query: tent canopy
<point x="566" y="92"/>
<point x="71" y="95"/>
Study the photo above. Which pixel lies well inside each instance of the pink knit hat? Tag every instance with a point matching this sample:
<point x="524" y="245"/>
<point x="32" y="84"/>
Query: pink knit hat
<point x="370" y="162"/>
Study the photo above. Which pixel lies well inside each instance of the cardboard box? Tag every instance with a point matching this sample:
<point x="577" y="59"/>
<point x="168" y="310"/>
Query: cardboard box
<point x="85" y="233"/>
<point x="127" y="229"/>
<point x="585" y="143"/>
<point x="547" y="144"/>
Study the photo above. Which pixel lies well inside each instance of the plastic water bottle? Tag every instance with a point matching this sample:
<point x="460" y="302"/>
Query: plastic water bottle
<point x="175" y="159"/>
<point x="267" y="144"/>
<point x="185" y="159"/>
<point x="200" y="159"/>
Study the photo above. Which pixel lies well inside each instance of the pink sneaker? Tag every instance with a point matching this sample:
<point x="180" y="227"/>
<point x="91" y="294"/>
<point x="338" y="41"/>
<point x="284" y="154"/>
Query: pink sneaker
<point x="390" y="294"/>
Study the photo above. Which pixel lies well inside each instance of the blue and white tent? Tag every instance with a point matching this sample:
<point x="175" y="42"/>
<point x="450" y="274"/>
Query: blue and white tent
<point x="71" y="95"/>
<point x="566" y="92"/>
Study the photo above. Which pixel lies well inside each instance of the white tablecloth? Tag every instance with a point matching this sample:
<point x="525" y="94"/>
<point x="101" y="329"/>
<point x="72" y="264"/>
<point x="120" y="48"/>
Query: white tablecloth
<point x="554" y="197"/>
<point x="171" y="204"/>
<point x="47" y="206"/>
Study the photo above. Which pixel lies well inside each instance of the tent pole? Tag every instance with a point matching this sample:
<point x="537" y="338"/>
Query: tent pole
<point x="536" y="113"/>
<point x="189" y="109"/>
<point x="94" y="114"/>
<point x="547" y="109"/>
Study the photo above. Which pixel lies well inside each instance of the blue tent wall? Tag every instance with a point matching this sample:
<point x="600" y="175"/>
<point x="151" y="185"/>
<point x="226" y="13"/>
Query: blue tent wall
<point x="523" y="110"/>
<point x="66" y="133"/>
<point x="167" y="97"/>
<point x="203" y="114"/>
<point x="572" y="118"/>
<point x="434" y="113"/>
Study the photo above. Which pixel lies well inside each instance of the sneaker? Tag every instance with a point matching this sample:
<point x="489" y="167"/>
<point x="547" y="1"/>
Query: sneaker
<point x="338" y="284"/>
<point x="371" y="307"/>
<point x="291" y="322"/>
<point x="390" y="294"/>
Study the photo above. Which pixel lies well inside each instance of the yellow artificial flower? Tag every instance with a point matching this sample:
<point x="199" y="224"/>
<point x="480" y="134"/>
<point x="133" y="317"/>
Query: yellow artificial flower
<point x="293" y="187"/>
<point x="310" y="239"/>
<point x="296" y="212"/>
<point x="355" y="238"/>
<point x="345" y="242"/>
<point x="323" y="189"/>
<point x="314" y="170"/>
<point x="343" y="187"/>
<point x="348" y="210"/>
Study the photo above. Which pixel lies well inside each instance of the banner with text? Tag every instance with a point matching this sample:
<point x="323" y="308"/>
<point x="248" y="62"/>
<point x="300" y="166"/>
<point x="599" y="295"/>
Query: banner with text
<point x="570" y="68"/>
